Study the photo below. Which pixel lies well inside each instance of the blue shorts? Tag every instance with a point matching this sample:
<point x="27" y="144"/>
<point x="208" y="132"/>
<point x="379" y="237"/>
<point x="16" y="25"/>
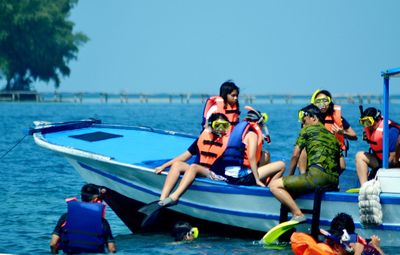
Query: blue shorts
<point x="247" y="180"/>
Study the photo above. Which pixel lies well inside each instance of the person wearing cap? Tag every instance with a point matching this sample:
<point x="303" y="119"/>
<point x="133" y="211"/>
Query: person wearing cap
<point x="242" y="158"/>
<point x="208" y="149"/>
<point x="334" y="122"/>
<point x="372" y="120"/>
<point x="83" y="229"/>
<point x="323" y="154"/>
<point x="183" y="231"/>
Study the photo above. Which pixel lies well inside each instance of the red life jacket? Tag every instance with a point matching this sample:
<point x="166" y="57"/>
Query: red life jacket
<point x="232" y="113"/>
<point x="375" y="138"/>
<point x="336" y="118"/>
<point x="211" y="147"/>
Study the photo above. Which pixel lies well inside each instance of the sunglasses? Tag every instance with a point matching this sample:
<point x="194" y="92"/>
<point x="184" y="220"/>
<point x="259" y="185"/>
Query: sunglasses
<point x="325" y="100"/>
<point x="220" y="125"/>
<point x="367" y="121"/>
<point x="303" y="114"/>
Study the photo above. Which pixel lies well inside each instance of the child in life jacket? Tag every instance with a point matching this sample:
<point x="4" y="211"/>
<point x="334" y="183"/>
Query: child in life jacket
<point x="227" y="103"/>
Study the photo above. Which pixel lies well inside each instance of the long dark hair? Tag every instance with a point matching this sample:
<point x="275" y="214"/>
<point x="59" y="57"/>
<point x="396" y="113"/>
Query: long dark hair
<point x="226" y="88"/>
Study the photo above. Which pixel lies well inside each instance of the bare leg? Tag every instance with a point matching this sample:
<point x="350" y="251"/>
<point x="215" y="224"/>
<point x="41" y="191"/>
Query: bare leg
<point x="274" y="170"/>
<point x="302" y="164"/>
<point x="187" y="180"/>
<point x="278" y="190"/>
<point x="173" y="175"/>
<point x="342" y="164"/>
<point x="363" y="161"/>
<point x="265" y="158"/>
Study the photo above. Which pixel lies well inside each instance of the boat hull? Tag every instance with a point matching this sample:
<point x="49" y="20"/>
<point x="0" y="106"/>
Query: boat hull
<point x="132" y="185"/>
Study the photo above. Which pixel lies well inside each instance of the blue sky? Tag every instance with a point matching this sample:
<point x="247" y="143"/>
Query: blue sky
<point x="265" y="46"/>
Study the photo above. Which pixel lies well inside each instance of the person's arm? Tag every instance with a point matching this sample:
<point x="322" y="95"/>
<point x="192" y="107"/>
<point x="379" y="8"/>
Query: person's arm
<point x="182" y="158"/>
<point x="348" y="131"/>
<point x="293" y="160"/>
<point x="251" y="140"/>
<point x="55" y="239"/>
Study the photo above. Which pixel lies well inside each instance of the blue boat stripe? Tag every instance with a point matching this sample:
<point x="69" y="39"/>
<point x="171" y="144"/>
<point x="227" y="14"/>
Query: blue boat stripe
<point x="195" y="205"/>
<point x="394" y="227"/>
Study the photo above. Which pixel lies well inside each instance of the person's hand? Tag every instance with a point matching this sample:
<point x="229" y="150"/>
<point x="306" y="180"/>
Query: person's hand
<point x="159" y="169"/>
<point x="260" y="183"/>
<point x="337" y="130"/>
<point x="375" y="240"/>
<point x="358" y="248"/>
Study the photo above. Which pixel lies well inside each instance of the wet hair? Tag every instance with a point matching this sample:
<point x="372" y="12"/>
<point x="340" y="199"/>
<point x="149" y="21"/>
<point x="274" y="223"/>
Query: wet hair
<point x="314" y="111"/>
<point x="330" y="106"/>
<point x="340" y="222"/>
<point x="226" y="88"/>
<point x="216" y="116"/>
<point x="180" y="229"/>
<point x="88" y="191"/>
<point x="254" y="116"/>
<point x="373" y="112"/>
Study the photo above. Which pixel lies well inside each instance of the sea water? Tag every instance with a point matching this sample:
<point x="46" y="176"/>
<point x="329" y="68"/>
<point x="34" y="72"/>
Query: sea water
<point x="35" y="181"/>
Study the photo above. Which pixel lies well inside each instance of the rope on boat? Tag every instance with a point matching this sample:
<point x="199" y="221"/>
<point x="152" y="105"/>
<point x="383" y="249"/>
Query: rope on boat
<point x="369" y="203"/>
<point x="15" y="145"/>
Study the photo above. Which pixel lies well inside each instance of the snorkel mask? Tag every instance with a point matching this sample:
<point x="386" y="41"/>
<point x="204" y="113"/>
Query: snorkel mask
<point x="320" y="102"/>
<point x="366" y="119"/>
<point x="220" y="127"/>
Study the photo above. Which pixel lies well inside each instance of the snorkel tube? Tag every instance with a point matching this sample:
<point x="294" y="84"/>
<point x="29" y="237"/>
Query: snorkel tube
<point x="262" y="119"/>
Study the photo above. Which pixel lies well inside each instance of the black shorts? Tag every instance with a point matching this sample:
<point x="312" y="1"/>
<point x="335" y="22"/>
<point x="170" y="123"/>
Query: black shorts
<point x="247" y="180"/>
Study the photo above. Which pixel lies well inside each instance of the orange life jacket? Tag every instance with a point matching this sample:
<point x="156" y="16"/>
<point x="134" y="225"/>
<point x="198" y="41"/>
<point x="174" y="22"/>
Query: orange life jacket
<point x="211" y="147"/>
<point x="256" y="128"/>
<point x="375" y="138"/>
<point x="336" y="118"/>
<point x="232" y="113"/>
<point x="304" y="244"/>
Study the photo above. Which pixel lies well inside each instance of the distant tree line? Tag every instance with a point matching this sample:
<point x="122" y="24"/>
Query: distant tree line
<point x="36" y="42"/>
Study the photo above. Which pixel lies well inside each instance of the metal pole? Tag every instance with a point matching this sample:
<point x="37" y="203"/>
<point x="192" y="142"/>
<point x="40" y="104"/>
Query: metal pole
<point x="385" y="153"/>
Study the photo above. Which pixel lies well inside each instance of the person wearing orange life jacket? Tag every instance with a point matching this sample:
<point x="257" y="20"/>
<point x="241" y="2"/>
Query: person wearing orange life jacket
<point x="371" y="119"/>
<point x="334" y="122"/>
<point x="244" y="151"/>
<point x="208" y="149"/>
<point x="83" y="229"/>
<point x="226" y="103"/>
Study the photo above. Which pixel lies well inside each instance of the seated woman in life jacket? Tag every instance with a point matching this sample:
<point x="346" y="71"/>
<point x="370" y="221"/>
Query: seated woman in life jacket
<point x="227" y="103"/>
<point x="83" y="229"/>
<point x="244" y="151"/>
<point x="334" y="122"/>
<point x="208" y="149"/>
<point x="372" y="121"/>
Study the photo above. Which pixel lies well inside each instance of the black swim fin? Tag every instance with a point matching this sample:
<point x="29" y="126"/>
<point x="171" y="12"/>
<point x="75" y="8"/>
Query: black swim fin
<point x="151" y="218"/>
<point x="150" y="208"/>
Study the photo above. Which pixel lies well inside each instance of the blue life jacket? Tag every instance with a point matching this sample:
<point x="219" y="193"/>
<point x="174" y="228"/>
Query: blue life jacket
<point x="234" y="153"/>
<point x="83" y="231"/>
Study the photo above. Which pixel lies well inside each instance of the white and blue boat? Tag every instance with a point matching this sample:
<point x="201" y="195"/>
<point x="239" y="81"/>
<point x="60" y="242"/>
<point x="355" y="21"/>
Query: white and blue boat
<point x="123" y="158"/>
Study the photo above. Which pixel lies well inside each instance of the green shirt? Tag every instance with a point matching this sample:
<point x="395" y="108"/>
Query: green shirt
<point x="321" y="146"/>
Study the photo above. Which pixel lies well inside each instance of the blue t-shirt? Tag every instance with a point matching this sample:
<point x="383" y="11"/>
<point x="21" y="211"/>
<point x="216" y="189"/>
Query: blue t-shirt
<point x="393" y="135"/>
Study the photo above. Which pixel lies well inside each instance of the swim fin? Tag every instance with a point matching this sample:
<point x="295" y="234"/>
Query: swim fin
<point x="150" y="207"/>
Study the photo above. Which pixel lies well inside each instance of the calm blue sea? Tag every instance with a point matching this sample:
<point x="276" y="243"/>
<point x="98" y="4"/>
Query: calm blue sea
<point x="35" y="181"/>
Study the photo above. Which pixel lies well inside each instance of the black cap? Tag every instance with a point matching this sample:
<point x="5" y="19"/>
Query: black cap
<point x="88" y="191"/>
<point x="372" y="112"/>
<point x="180" y="229"/>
